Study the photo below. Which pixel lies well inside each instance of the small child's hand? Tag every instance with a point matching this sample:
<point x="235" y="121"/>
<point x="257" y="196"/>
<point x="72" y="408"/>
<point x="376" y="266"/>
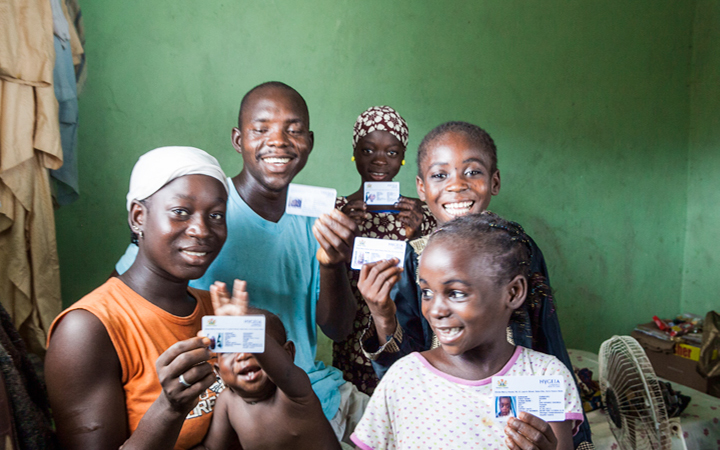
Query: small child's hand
<point x="224" y="304"/>
<point x="529" y="432"/>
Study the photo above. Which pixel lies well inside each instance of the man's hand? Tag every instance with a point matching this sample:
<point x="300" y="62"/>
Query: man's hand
<point x="335" y="232"/>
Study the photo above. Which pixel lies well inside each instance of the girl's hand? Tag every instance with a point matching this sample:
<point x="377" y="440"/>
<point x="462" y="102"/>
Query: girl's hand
<point x="226" y="305"/>
<point x="356" y="210"/>
<point x="528" y="432"/>
<point x="376" y="280"/>
<point x="410" y="215"/>
<point x="335" y="233"/>
<point x="188" y="359"/>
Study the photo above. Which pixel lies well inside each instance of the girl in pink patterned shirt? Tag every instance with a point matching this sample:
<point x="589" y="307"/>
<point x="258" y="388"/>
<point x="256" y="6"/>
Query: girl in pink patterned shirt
<point x="473" y="275"/>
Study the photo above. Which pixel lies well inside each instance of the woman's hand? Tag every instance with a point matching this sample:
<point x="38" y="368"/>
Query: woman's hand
<point x="335" y="232"/>
<point x="376" y="281"/>
<point x="410" y="215"/>
<point x="356" y="210"/>
<point x="528" y="432"/>
<point x="184" y="373"/>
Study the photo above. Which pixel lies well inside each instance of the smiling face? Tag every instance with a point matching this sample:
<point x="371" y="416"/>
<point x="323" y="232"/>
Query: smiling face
<point x="183" y="226"/>
<point x="463" y="300"/>
<point x="378" y="156"/>
<point x="456" y="177"/>
<point x="273" y="137"/>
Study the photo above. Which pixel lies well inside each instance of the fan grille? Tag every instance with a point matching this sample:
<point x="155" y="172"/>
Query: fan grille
<point x="633" y="397"/>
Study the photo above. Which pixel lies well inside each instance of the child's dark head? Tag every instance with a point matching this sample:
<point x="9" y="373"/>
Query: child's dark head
<point x="241" y="371"/>
<point x="473" y="275"/>
<point x="457" y="170"/>
<point x="273" y="134"/>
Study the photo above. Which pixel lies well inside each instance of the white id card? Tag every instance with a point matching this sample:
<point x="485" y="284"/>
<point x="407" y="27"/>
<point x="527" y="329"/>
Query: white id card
<point x="368" y="250"/>
<point x="381" y="192"/>
<point x="235" y="334"/>
<point x="310" y="201"/>
<point x="540" y="396"/>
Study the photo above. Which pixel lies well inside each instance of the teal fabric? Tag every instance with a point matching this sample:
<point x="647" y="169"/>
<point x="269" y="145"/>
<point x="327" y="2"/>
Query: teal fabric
<point x="66" y="177"/>
<point x="278" y="262"/>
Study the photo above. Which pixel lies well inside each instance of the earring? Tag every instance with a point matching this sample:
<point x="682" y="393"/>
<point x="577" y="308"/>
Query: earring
<point x="142" y="235"/>
<point x="138" y="231"/>
<point x="403" y="162"/>
<point x="352" y="158"/>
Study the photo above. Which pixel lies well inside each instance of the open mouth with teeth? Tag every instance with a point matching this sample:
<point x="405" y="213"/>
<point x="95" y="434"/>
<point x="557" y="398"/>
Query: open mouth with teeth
<point x="446" y="335"/>
<point x="188" y="252"/>
<point x="276" y="161"/>
<point x="378" y="175"/>
<point x="250" y="373"/>
<point x="458" y="208"/>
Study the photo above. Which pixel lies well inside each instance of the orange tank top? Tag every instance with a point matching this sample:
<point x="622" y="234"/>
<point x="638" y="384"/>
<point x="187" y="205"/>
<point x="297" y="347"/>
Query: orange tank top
<point x="140" y="332"/>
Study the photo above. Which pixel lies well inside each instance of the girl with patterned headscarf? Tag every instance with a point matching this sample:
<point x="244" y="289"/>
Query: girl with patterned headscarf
<point x="380" y="137"/>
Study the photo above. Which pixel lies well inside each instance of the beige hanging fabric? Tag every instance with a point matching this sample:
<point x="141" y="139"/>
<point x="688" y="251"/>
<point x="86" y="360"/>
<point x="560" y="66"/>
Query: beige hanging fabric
<point x="29" y="147"/>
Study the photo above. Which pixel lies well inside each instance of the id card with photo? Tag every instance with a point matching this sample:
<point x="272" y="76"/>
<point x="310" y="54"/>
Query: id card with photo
<point x="309" y="201"/>
<point x="381" y="192"/>
<point x="235" y="334"/>
<point x="540" y="396"/>
<point x="369" y="250"/>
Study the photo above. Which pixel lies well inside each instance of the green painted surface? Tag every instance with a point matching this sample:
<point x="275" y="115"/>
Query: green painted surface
<point x="701" y="281"/>
<point x="588" y="102"/>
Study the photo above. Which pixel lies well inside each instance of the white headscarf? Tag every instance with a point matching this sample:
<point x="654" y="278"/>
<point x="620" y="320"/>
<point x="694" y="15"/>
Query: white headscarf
<point x="158" y="167"/>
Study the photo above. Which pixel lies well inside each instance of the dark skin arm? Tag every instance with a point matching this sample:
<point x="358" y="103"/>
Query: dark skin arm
<point x="336" y="308"/>
<point x="85" y="389"/>
<point x="528" y="432"/>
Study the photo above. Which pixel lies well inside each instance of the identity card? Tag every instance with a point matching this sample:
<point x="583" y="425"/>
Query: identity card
<point x="310" y="201"/>
<point x="235" y="334"/>
<point x="368" y="250"/>
<point x="540" y="396"/>
<point x="381" y="192"/>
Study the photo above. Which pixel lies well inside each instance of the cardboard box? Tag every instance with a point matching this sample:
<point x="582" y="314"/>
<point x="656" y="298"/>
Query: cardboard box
<point x="687" y="351"/>
<point x="670" y="366"/>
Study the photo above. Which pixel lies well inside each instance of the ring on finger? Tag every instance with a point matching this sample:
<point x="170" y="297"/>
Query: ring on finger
<point x="182" y="381"/>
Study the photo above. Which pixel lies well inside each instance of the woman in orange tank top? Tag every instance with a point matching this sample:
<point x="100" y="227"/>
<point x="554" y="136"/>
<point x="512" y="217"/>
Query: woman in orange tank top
<point x="124" y="366"/>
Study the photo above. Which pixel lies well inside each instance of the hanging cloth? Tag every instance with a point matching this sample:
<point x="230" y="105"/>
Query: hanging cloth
<point x="29" y="147"/>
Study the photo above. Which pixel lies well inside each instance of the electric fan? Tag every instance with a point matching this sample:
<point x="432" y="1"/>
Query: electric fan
<point x="632" y="396"/>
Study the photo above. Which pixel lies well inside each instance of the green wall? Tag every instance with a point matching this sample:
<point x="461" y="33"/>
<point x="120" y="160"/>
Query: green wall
<point x="588" y="102"/>
<point x="701" y="281"/>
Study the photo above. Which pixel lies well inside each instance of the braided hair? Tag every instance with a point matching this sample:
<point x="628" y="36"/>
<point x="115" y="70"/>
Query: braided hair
<point x="507" y="248"/>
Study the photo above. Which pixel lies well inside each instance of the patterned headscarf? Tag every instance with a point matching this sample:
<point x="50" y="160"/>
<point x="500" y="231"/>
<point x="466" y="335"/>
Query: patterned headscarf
<point x="382" y="118"/>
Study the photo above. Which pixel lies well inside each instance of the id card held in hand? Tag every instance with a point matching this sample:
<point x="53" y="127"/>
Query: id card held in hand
<point x="540" y="396"/>
<point x="381" y="192"/>
<point x="309" y="201"/>
<point x="235" y="334"/>
<point x="369" y="250"/>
